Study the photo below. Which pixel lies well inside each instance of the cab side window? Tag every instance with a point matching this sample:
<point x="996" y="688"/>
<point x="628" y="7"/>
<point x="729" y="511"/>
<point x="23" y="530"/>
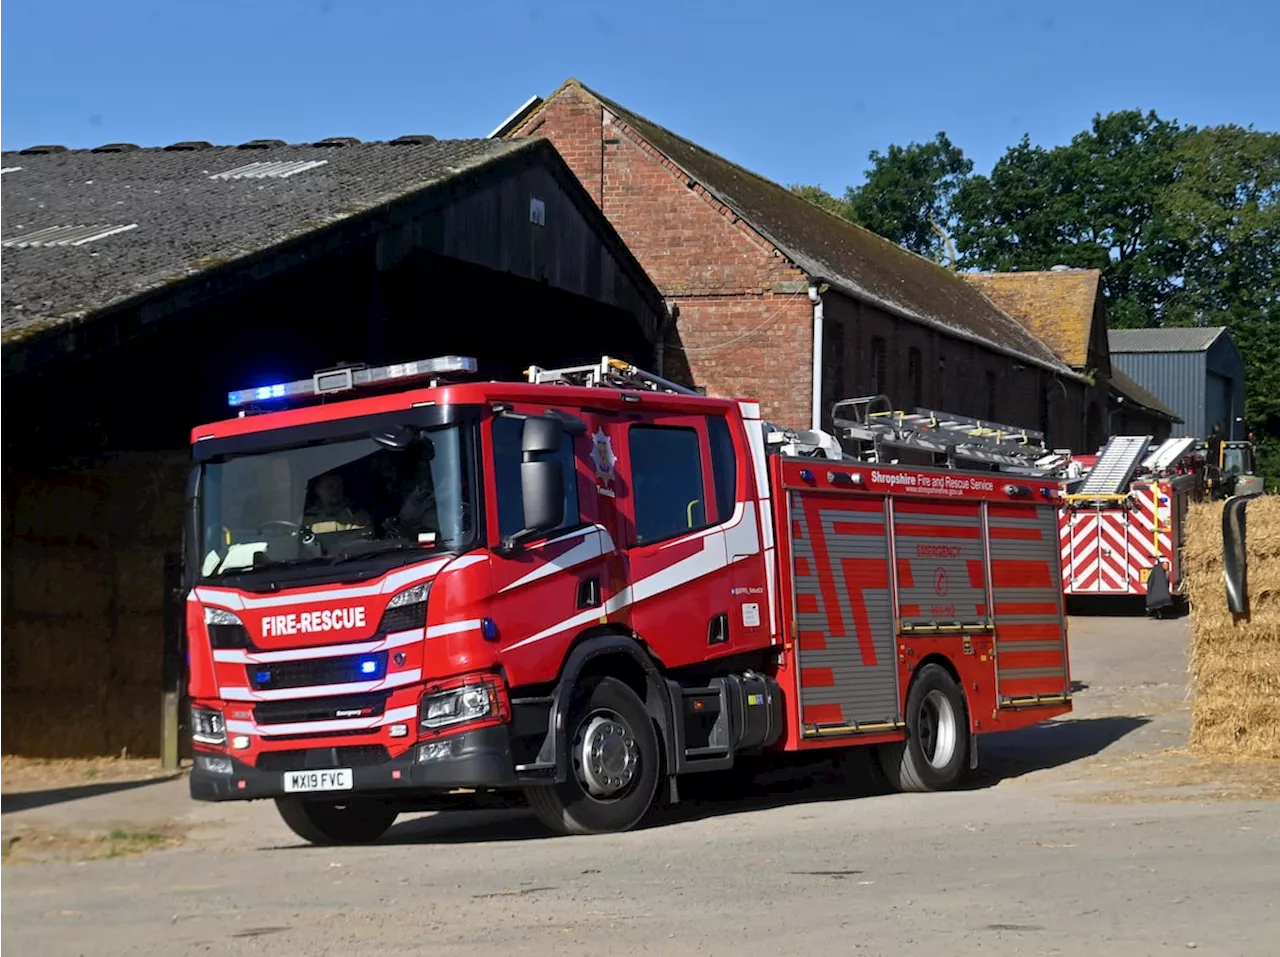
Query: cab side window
<point x="507" y="433"/>
<point x="666" y="481"/>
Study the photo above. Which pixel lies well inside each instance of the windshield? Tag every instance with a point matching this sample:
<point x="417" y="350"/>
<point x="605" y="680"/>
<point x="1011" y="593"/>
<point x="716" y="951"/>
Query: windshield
<point x="1235" y="461"/>
<point x="336" y="501"/>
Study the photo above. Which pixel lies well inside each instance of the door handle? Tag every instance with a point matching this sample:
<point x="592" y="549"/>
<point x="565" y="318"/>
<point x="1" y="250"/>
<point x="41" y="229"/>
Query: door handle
<point x="589" y="593"/>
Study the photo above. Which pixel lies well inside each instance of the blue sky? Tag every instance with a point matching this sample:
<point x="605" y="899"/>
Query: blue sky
<point x="799" y="92"/>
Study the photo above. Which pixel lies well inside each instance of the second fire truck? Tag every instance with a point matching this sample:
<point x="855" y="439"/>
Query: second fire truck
<point x="1123" y="523"/>
<point x="588" y="585"/>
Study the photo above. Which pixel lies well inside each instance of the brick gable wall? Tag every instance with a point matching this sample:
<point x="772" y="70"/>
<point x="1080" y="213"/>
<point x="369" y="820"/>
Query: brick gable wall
<point x="745" y="323"/>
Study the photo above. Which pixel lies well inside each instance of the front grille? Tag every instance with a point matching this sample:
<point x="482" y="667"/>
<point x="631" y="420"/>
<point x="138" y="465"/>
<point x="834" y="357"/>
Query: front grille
<point x="309" y="759"/>
<point x="403" y="618"/>
<point x="332" y="708"/>
<point x="229" y="636"/>
<point x="317" y="671"/>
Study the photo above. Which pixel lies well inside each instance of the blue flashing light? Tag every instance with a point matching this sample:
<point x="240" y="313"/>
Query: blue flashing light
<point x="489" y="629"/>
<point x="262" y="677"/>
<point x="368" y="667"/>
<point x="345" y="379"/>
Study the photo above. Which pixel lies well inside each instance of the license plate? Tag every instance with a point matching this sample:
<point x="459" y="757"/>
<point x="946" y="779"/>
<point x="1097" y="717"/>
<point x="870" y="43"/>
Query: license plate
<point x="333" y="779"/>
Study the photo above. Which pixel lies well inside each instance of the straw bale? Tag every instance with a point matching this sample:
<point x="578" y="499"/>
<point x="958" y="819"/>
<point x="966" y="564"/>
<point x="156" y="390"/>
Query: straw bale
<point x="60" y="580"/>
<point x="132" y="718"/>
<point x="55" y="656"/>
<point x="146" y="496"/>
<point x="1235" y="664"/>
<point x="139" y="579"/>
<point x="137" y="651"/>
<point x="67" y="506"/>
<point x="39" y="724"/>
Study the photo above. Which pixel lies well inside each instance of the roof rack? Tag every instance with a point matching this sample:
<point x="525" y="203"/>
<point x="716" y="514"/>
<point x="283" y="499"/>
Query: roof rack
<point x="871" y="424"/>
<point x="608" y="373"/>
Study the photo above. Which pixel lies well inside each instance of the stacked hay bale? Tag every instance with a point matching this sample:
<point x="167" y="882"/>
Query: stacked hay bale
<point x="1235" y="664"/>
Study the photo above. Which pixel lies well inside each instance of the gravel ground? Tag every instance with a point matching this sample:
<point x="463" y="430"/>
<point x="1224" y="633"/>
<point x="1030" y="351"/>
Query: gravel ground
<point x="1091" y="835"/>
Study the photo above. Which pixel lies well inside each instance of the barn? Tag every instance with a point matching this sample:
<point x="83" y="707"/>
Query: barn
<point x="143" y="285"/>
<point x="777" y="298"/>
<point x="1197" y="372"/>
<point x="1066" y="309"/>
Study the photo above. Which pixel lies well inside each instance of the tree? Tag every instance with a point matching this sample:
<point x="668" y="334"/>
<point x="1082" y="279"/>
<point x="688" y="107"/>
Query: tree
<point x="1089" y="204"/>
<point x="1221" y="220"/>
<point x="820" y="197"/>
<point x="1183" y="222"/>
<point x="907" y="195"/>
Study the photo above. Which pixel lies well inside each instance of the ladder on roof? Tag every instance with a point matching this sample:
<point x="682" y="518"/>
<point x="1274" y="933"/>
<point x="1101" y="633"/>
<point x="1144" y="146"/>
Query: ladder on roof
<point x="872" y="421"/>
<point x="1116" y="464"/>
<point x="608" y="373"/>
<point x="1168" y="454"/>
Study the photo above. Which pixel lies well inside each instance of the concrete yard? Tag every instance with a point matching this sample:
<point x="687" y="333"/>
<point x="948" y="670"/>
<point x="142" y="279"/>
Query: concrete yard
<point x="1094" y="835"/>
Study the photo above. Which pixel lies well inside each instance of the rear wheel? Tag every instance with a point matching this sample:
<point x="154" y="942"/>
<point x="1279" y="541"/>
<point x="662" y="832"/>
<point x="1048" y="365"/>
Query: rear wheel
<point x="613" y="763"/>
<point x="936" y="751"/>
<point x="358" y="821"/>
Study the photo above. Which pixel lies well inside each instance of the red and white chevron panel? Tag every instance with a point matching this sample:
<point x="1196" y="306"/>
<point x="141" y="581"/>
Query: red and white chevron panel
<point x="1108" y="550"/>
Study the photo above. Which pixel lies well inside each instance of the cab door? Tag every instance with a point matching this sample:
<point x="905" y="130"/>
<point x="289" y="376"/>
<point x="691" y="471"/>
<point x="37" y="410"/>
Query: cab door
<point x="675" y="557"/>
<point x="545" y="592"/>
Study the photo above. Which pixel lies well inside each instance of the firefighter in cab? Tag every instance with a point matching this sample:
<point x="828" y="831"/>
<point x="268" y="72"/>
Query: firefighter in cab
<point x="330" y="509"/>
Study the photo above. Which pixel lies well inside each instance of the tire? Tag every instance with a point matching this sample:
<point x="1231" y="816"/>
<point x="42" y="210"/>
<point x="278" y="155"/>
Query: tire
<point x="615" y="793"/>
<point x="358" y="821"/>
<point x="935" y="754"/>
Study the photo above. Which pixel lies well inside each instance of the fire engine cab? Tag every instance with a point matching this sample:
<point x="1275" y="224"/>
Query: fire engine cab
<point x="582" y="587"/>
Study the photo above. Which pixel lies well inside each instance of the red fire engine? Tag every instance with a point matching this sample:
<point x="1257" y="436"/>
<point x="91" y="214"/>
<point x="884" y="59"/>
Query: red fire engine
<point x="587" y="585"/>
<point x="1122" y="523"/>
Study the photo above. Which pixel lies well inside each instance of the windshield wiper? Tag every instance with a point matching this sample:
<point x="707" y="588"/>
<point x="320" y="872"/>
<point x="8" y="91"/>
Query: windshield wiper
<point x="364" y="550"/>
<point x="268" y="565"/>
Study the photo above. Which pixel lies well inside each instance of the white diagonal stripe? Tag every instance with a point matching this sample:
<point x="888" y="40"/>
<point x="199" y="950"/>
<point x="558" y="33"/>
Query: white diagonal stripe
<point x="395" y="680"/>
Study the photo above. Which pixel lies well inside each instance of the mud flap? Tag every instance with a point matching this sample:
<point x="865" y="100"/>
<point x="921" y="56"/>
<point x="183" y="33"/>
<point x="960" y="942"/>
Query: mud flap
<point x="973" y="751"/>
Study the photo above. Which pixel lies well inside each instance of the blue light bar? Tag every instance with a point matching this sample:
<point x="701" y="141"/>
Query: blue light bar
<point x="368" y="667"/>
<point x="341" y="380"/>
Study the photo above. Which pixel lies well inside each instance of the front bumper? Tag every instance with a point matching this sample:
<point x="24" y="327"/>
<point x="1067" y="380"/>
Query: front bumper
<point x="475" y="759"/>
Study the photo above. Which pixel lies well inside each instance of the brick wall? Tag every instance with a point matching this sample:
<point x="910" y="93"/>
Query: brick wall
<point x="83" y="580"/>
<point x="870" y="351"/>
<point x="745" y="322"/>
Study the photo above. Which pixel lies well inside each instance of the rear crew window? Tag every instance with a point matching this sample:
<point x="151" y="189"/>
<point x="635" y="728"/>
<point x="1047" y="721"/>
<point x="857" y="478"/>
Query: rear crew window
<point x="666" y="481"/>
<point x="724" y="467"/>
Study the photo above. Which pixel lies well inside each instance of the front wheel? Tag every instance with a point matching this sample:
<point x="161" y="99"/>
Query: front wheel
<point x="358" y="821"/>
<point x="936" y="751"/>
<point x="613" y="764"/>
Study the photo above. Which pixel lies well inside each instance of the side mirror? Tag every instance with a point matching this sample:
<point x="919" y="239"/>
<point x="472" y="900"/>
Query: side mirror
<point x="541" y="479"/>
<point x="541" y="434"/>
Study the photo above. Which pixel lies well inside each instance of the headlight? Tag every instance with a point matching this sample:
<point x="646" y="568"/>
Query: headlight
<point x="225" y="628"/>
<point x="406" y="610"/>
<point x="455" y="706"/>
<point x="207" y="727"/>
<point x="411" y="596"/>
<point x="220" y="616"/>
